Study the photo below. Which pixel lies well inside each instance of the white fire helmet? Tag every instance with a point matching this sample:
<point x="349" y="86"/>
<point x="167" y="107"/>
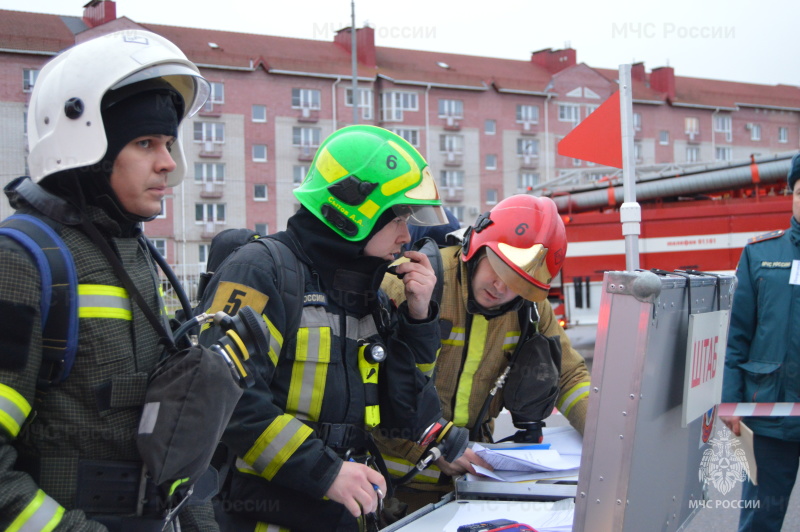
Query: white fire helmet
<point x="65" y="125"/>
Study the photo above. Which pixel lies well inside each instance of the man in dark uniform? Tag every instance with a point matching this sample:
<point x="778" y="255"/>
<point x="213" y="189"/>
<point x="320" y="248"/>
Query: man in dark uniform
<point x="762" y="363"/>
<point x="103" y="138"/>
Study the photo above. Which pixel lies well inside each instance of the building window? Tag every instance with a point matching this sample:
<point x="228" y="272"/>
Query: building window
<point x="755" y="131"/>
<point x="637" y="151"/>
<point x="591" y="109"/>
<point x="394" y="103"/>
<point x="451" y="143"/>
<point x="569" y="112"/>
<point x="451" y="179"/>
<point x="260" y="192"/>
<point x="259" y="153"/>
<point x="451" y="108"/>
<point x="163" y="212"/>
<point x="692" y="154"/>
<point x="258" y="113"/>
<point x="663" y="137"/>
<point x="209" y="212"/>
<point x="637" y="121"/>
<point x="491" y="196"/>
<point x="306" y="136"/>
<point x="528" y="147"/>
<point x="262" y="229"/>
<point x="202" y="254"/>
<point x="209" y="173"/>
<point x="723" y="153"/>
<point x="458" y="211"/>
<point x="364" y="101"/>
<point x="527" y="114"/>
<point x="491" y="161"/>
<point x="305" y="98"/>
<point x="527" y="180"/>
<point x="576" y="162"/>
<point x="692" y="126"/>
<point x="490" y="127"/>
<point x="722" y="124"/>
<point x="411" y="135"/>
<point x="161" y="246"/>
<point x="298" y="174"/>
<point x="783" y="134"/>
<point x="29" y="76"/>
<point x="215" y="98"/>
<point x="209" y="132"/>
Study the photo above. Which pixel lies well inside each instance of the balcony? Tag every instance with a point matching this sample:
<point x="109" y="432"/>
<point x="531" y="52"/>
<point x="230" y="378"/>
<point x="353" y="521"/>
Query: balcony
<point x="452" y="194"/>
<point x="306" y="153"/>
<point x="693" y="137"/>
<point x="529" y="161"/>
<point x="211" y="110"/>
<point x="453" y="158"/>
<point x="452" y="123"/>
<point x="210" y="150"/>
<point x="308" y="115"/>
<point x="211" y="191"/>
<point x="209" y="231"/>
<point x="529" y="128"/>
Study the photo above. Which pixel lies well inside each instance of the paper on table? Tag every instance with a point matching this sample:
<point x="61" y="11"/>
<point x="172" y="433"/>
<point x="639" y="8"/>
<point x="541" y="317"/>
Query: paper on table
<point x="521" y="476"/>
<point x="747" y="445"/>
<point x="527" y="459"/>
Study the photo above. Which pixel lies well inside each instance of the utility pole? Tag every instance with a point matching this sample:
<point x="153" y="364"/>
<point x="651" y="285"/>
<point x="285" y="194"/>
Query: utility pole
<point x="354" y="60"/>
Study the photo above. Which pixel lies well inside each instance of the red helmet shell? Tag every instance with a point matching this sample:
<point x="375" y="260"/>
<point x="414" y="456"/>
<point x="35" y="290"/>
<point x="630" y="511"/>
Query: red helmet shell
<point x="525" y="241"/>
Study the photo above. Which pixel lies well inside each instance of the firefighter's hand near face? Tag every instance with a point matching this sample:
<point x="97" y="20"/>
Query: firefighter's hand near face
<point x="354" y="488"/>
<point x="419" y="280"/>
<point x="463" y="464"/>
<point x="732" y="422"/>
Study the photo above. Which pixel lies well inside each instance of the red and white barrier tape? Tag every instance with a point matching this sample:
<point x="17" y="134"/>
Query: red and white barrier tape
<point x="758" y="409"/>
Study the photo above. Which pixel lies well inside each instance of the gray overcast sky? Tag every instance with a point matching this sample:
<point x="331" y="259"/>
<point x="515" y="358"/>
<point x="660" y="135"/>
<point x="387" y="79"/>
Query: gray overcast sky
<point x="737" y="40"/>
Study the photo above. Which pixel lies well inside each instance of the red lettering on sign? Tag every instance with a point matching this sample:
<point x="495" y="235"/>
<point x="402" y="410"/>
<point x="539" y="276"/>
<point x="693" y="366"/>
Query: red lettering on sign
<point x="704" y="360"/>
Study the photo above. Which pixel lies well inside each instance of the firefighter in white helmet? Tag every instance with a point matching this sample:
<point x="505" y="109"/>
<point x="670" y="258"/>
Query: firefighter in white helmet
<point x="104" y="144"/>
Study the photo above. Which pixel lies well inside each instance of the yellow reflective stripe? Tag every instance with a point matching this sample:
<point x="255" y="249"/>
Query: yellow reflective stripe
<point x="275" y="340"/>
<point x="266" y="527"/>
<point x="14" y="410"/>
<point x="457" y="336"/>
<point x="309" y="372"/>
<point x="573" y="396"/>
<point x="398" y="467"/>
<point x="477" y="342"/>
<point x="238" y="341"/>
<point x="403" y="182"/>
<point x="276" y="445"/>
<point x="235" y="359"/>
<point x="41" y="515"/>
<point x="103" y="301"/>
<point x="162" y="300"/>
<point x="427" y="369"/>
<point x="511" y="340"/>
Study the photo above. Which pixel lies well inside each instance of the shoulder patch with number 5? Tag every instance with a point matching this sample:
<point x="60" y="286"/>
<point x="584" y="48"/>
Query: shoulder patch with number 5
<point x="230" y="297"/>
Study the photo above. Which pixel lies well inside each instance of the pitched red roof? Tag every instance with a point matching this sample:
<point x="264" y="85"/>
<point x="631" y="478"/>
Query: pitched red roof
<point x="34" y="32"/>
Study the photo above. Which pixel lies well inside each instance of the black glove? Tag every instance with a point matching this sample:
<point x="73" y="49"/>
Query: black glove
<point x="531" y="388"/>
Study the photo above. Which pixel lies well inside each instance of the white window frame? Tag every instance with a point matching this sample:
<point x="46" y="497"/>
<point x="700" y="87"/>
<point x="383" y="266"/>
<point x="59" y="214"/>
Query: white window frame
<point x="394" y="103"/>
<point x="216" y="96"/>
<point x="451" y="108"/>
<point x="161" y="246"/>
<point x="527" y="113"/>
<point x="451" y="144"/>
<point x="257" y="158"/>
<point x="163" y="212"/>
<point x="755" y="132"/>
<point x="257" y="117"/>
<point x="723" y="153"/>
<point x="637" y="121"/>
<point x="691" y="125"/>
<point x="451" y="179"/>
<point x="306" y="98"/>
<point x="528" y="147"/>
<point x="491" y="161"/>
<point x="300" y="171"/>
<point x="265" y="228"/>
<point x="491" y="196"/>
<point x="29" y="77"/>
<point x="590" y="108"/>
<point x="257" y="196"/>
<point x="209" y="131"/>
<point x="527" y="179"/>
<point x="490" y="126"/>
<point x="724" y="124"/>
<point x="692" y="154"/>
<point x="411" y="135"/>
<point x="569" y="112"/>
<point x="202" y="254"/>
<point x="211" y="213"/>
<point x="783" y="134"/>
<point x="663" y="137"/>
<point x="209" y="173"/>
<point x="365" y="101"/>
<point x="306" y="136"/>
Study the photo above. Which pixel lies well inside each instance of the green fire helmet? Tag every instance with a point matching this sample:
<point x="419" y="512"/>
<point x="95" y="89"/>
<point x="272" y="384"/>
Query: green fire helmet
<point x="361" y="171"/>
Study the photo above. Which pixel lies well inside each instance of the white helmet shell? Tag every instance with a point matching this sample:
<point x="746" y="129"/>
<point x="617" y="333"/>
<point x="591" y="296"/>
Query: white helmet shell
<point x="65" y="125"/>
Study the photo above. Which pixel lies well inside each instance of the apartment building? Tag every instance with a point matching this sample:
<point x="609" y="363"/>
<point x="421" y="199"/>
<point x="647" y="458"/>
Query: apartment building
<point x="489" y="127"/>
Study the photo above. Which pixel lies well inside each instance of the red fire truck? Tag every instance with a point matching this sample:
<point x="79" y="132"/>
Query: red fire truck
<point x="705" y="230"/>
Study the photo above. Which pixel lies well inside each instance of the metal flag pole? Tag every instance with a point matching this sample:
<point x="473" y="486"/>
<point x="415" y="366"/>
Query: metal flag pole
<point x="630" y="213"/>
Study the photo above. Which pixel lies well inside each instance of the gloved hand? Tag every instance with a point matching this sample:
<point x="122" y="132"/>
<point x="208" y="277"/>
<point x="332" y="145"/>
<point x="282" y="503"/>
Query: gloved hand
<point x="531" y="388"/>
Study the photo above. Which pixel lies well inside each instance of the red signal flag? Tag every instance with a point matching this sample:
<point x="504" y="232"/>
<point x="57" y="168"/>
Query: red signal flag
<point x="598" y="138"/>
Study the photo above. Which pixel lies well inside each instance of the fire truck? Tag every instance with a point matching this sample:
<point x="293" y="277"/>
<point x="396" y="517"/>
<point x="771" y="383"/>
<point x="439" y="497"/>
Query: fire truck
<point x="698" y="220"/>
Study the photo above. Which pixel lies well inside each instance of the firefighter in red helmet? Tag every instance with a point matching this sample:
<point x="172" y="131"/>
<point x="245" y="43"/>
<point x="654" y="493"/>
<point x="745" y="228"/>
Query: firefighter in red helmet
<point x="495" y="315"/>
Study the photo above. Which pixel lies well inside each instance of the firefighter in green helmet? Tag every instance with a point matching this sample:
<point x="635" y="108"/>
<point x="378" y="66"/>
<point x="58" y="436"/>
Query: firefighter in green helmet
<point x="344" y="360"/>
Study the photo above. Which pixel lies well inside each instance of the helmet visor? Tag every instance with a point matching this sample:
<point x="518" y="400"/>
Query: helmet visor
<point x="522" y="270"/>
<point x="425" y="215"/>
<point x="189" y="83"/>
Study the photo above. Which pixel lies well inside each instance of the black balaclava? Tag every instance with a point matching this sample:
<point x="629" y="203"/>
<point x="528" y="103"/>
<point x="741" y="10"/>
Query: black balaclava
<point x="348" y="276"/>
<point x="146" y="108"/>
<point x="473" y="307"/>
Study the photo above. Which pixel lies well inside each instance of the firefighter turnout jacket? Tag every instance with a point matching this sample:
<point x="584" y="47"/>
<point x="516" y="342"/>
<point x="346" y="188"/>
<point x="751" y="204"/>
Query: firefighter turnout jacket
<point x="474" y="354"/>
<point x="292" y="430"/>
<point x="55" y="448"/>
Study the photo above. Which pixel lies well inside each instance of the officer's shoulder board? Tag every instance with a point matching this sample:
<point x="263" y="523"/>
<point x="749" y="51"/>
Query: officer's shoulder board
<point x="766" y="236"/>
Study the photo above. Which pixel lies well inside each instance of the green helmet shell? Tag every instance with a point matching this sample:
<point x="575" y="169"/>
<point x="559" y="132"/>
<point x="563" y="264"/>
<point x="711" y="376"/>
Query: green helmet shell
<point x="361" y="171"/>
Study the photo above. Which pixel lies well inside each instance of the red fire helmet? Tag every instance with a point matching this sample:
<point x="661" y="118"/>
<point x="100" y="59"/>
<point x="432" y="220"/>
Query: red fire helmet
<point x="525" y="242"/>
